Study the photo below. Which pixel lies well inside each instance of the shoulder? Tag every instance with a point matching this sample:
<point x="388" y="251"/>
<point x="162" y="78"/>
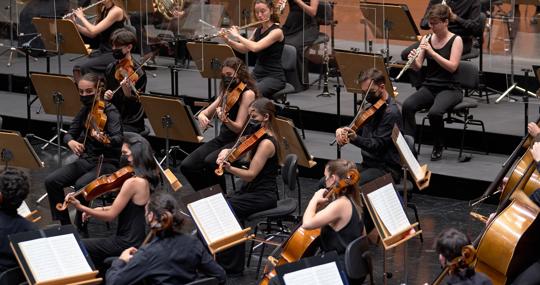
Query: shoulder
<point x="116" y="12"/>
<point x="111" y="109"/>
<point x="392" y="109"/>
<point x="249" y="95"/>
<point x="135" y="183"/>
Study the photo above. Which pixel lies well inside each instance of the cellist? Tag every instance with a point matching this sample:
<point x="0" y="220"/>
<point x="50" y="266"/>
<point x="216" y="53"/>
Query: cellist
<point x="91" y="148"/>
<point x="379" y="154"/>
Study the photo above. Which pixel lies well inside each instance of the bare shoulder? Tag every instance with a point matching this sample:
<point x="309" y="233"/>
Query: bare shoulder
<point x="135" y="182"/>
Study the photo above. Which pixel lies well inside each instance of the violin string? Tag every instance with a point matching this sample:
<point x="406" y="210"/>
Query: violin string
<point x="134" y="71"/>
<point x="89" y="116"/>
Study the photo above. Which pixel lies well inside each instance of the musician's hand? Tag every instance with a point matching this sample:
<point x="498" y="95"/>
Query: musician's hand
<point x="221" y="156"/>
<point x="233" y="31"/>
<point x="226" y="165"/>
<point x="351" y="134"/>
<point x="490" y="218"/>
<point x="76" y="147"/>
<point x="425" y="46"/>
<point x="533" y="129"/>
<point x="85" y="217"/>
<point x="108" y="95"/>
<point x="341" y="136"/>
<point x="177" y="13"/>
<point x="127" y="254"/>
<point x="453" y="16"/>
<point x="535" y="151"/>
<point x="222" y="115"/>
<point x="203" y="120"/>
<point x="99" y="136"/>
<point x="223" y="34"/>
<point x="79" y="13"/>
<point x="319" y="196"/>
<point x="70" y="198"/>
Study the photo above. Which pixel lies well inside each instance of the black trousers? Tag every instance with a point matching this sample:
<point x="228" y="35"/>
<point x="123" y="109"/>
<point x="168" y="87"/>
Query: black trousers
<point x="531" y="275"/>
<point x="439" y="101"/>
<point x="78" y="173"/>
<point x="302" y="40"/>
<point x="101" y="248"/>
<point x="96" y="63"/>
<point x="268" y="86"/>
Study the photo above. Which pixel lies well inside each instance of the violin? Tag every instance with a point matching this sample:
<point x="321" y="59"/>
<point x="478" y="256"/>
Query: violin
<point x="126" y="69"/>
<point x="232" y="97"/>
<point x="242" y="146"/>
<point x="97" y="119"/>
<point x="101" y="185"/>
<point x="303" y="242"/>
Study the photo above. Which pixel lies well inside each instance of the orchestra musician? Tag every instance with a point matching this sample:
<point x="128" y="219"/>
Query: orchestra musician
<point x="90" y="145"/>
<point x="122" y="72"/>
<point x="379" y="155"/>
<point x="439" y="91"/>
<point x="198" y="167"/>
<point x="266" y="42"/>
<point x="128" y="205"/>
<point x="14" y="188"/>
<point x="258" y="191"/>
<point x="171" y="257"/>
<point x="110" y="17"/>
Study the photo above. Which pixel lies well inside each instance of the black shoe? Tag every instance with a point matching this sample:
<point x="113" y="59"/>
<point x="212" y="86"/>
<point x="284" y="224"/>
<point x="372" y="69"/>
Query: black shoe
<point x="436" y="154"/>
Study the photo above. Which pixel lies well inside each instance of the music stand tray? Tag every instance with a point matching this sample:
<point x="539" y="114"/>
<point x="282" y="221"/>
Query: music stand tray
<point x="70" y="39"/>
<point x="395" y="18"/>
<point x="209" y="57"/>
<point x="291" y="142"/>
<point x="48" y="86"/>
<point x="15" y="150"/>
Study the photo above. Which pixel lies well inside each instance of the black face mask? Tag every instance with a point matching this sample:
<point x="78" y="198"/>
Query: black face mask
<point x="118" y="54"/>
<point x="229" y="81"/>
<point x="124" y="161"/>
<point x="372" y="97"/>
<point x="87" y="100"/>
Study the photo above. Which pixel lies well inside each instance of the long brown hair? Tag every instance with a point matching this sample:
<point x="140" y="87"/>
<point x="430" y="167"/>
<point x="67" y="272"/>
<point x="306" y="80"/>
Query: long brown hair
<point x="340" y="168"/>
<point x="242" y="74"/>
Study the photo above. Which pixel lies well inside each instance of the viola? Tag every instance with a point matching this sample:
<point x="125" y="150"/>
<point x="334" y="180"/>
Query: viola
<point x="101" y="185"/>
<point x="232" y="97"/>
<point x="303" y="242"/>
<point x="126" y="68"/>
<point x="241" y="147"/>
<point x="97" y="119"/>
<point x="165" y="223"/>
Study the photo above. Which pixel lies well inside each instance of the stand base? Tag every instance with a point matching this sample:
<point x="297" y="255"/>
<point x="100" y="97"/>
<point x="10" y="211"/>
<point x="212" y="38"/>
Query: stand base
<point x="168" y="154"/>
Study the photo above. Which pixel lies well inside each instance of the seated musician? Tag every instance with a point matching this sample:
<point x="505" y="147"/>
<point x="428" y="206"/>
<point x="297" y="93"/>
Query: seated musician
<point x="110" y="17"/>
<point x="14" y="187"/>
<point x="171" y="257"/>
<point x="340" y="220"/>
<point x="125" y="99"/>
<point x="98" y="150"/>
<point x="267" y="44"/>
<point x="198" y="167"/>
<point x="439" y="92"/>
<point x="258" y="191"/>
<point x="451" y="247"/>
<point x="128" y="205"/>
<point x="379" y="155"/>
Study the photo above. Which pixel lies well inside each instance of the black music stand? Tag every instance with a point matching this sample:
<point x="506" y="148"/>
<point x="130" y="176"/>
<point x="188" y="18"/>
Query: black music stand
<point x="171" y="119"/>
<point x="16" y="150"/>
<point x="389" y="21"/>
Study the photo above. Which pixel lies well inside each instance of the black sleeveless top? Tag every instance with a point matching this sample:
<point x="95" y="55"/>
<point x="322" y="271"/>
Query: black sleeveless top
<point x="224" y="131"/>
<point x="436" y="76"/>
<point x="298" y="20"/>
<point x="268" y="62"/>
<point x="265" y="181"/>
<point x="131" y="224"/>
<point x="338" y="241"/>
<point x="105" y="36"/>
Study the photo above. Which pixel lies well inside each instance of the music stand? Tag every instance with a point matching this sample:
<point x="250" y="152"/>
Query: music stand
<point x="58" y="95"/>
<point x="60" y="36"/>
<point x="389" y="21"/>
<point x="170" y="119"/>
<point x="290" y="142"/>
<point x="16" y="150"/>
<point x="239" y="11"/>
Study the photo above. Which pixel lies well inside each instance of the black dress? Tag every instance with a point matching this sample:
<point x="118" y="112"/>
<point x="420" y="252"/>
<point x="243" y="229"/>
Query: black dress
<point x="268" y="70"/>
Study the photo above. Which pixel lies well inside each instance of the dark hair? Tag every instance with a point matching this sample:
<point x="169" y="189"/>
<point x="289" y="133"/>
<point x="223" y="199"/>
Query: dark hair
<point x="439" y="12"/>
<point x="374" y="74"/>
<point x="14" y="187"/>
<point x="143" y="160"/>
<point x="274" y="16"/>
<point x="123" y="37"/>
<point x="340" y="168"/>
<point x="159" y="204"/>
<point x="450" y="242"/>
<point x="265" y="106"/>
<point x="242" y="74"/>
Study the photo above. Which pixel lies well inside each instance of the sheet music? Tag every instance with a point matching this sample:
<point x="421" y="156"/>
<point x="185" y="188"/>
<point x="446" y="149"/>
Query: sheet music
<point x="317" y="275"/>
<point x="389" y="209"/>
<point x="54" y="257"/>
<point x="24" y="210"/>
<point x="214" y="217"/>
<point x="410" y="160"/>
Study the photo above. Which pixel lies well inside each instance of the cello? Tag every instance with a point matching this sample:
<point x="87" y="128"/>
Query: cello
<point x="304" y="242"/>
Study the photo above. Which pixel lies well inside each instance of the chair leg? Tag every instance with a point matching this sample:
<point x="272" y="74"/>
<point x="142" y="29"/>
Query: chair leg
<point x="420" y="135"/>
<point x="260" y="261"/>
<point x="484" y="136"/>
<point x="299" y="197"/>
<point x="463" y="136"/>
<point x="415" y="210"/>
<point x="252" y="245"/>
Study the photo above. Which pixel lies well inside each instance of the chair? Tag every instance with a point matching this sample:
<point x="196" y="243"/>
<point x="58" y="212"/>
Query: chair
<point x="284" y="210"/>
<point x="12" y="276"/>
<point x="205" y="281"/>
<point x="467" y="77"/>
<point x="358" y="259"/>
<point x="288" y="61"/>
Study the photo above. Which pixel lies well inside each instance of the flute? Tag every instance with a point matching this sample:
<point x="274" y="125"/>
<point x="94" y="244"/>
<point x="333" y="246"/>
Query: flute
<point x="208" y="37"/>
<point x="68" y="15"/>
<point x="412" y="59"/>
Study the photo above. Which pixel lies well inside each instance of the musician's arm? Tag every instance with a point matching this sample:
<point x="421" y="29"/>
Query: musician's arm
<point x="243" y="113"/>
<point x="275" y="35"/>
<point x="424" y="23"/>
<point x="381" y="137"/>
<point x="472" y="24"/>
<point x="310" y="9"/>
<point x="329" y="215"/>
<point x="132" y="272"/>
<point x="451" y="64"/>
<point x="209" y="266"/>
<point x="90" y="30"/>
<point x="265" y="150"/>
<point x="76" y="127"/>
<point x="114" y="127"/>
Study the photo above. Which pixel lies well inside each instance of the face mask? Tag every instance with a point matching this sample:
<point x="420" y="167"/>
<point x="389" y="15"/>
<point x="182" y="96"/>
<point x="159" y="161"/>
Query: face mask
<point x="87" y="100"/>
<point x="229" y="81"/>
<point x="372" y="97"/>
<point x="124" y="161"/>
<point x="118" y="54"/>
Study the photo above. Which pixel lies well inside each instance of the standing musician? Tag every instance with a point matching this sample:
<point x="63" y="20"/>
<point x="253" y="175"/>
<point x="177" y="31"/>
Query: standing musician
<point x="198" y="167"/>
<point x="125" y="72"/>
<point x="171" y="257"/>
<point x="90" y="144"/>
<point x="439" y="92"/>
<point x="267" y="44"/>
<point x="128" y="205"/>
<point x="379" y="155"/>
<point x="258" y="191"/>
<point x="110" y="18"/>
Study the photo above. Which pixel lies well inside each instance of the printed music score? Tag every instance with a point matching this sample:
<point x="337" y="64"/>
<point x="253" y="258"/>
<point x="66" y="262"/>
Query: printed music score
<point x="415" y="168"/>
<point x="317" y="275"/>
<point x="389" y="209"/>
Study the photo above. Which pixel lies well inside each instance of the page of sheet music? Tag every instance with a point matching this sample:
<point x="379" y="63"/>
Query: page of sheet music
<point x="215" y="217"/>
<point x="317" y="275"/>
<point x="40" y="258"/>
<point x="410" y="160"/>
<point x="24" y="210"/>
<point x="69" y="254"/>
<point x="389" y="209"/>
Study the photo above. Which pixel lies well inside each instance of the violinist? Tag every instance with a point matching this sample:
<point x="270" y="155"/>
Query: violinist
<point x="198" y="167"/>
<point x="379" y="155"/>
<point x="91" y="145"/>
<point x="128" y="205"/>
<point x="125" y="72"/>
<point x="340" y="220"/>
<point x="258" y="191"/>
<point x="171" y="257"/>
<point x="439" y="91"/>
<point x="110" y="17"/>
<point x="266" y="42"/>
